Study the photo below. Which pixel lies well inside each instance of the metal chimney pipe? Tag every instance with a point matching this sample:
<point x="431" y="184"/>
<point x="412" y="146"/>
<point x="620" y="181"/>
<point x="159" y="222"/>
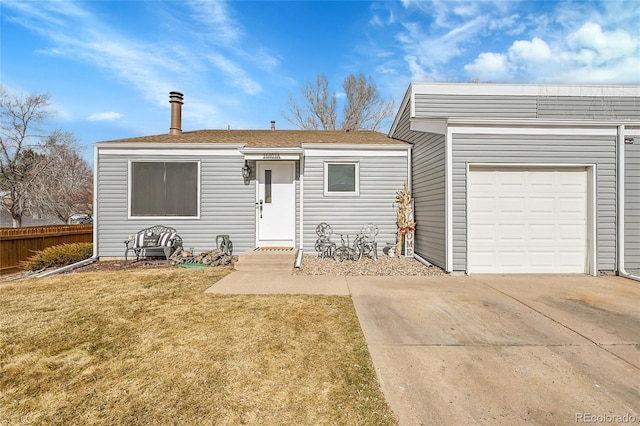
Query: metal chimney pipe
<point x="175" y="99"/>
<point x="273" y="124"/>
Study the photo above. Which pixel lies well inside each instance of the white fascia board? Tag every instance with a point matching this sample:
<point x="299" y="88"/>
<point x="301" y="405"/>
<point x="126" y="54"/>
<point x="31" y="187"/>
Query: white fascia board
<point x="271" y="156"/>
<point x="562" y="131"/>
<point x="166" y="146"/>
<point x="428" y="125"/>
<point x="453" y="121"/>
<point x="404" y="152"/>
<point x="523" y="89"/>
<point x="260" y="150"/>
<point x="355" y="146"/>
<point x="170" y="152"/>
<point x="271" y="153"/>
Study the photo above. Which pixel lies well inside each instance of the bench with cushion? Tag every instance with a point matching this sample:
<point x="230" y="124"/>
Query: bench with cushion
<point x="158" y="236"/>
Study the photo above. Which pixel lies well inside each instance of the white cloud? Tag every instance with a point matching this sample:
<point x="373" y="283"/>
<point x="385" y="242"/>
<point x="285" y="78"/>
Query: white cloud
<point x="489" y="67"/>
<point x="536" y="50"/>
<point x="236" y="76"/>
<point x="214" y="17"/>
<point x="588" y="55"/>
<point x="105" y="116"/>
<point x="521" y="42"/>
<point x="608" y="44"/>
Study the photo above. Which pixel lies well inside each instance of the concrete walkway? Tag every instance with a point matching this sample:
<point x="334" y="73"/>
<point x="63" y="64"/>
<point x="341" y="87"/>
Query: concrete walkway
<point x="491" y="349"/>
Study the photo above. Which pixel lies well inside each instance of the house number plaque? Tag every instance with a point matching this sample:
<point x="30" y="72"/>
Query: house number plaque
<point x="271" y="156"/>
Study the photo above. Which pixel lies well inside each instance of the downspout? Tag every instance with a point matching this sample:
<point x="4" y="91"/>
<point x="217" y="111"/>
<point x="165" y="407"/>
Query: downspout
<point x="94" y="257"/>
<point x="620" y="178"/>
<point x="301" y="232"/>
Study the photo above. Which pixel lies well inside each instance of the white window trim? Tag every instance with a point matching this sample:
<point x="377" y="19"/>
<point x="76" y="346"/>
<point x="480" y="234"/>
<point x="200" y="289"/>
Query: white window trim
<point x="130" y="190"/>
<point x="325" y="179"/>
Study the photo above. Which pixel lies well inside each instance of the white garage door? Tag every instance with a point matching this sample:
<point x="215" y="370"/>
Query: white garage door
<point x="527" y="220"/>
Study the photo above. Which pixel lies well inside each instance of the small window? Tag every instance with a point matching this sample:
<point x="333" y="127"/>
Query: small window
<point x="341" y="178"/>
<point x="164" y="189"/>
<point x="267" y="186"/>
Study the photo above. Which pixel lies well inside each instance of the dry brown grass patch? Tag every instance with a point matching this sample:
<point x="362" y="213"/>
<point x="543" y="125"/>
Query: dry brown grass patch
<point x="149" y="347"/>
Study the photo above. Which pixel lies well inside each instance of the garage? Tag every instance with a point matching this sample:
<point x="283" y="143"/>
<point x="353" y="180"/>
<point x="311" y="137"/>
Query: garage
<point x="528" y="219"/>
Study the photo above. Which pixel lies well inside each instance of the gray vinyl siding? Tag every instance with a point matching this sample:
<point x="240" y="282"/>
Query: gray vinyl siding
<point x="429" y="193"/>
<point x="403" y="130"/>
<point x="632" y="205"/>
<point x="227" y="205"/>
<point x="541" y="149"/>
<point x="475" y="106"/>
<point x="380" y="178"/>
<point x="622" y="108"/>
<point x="614" y="108"/>
<point x="428" y="186"/>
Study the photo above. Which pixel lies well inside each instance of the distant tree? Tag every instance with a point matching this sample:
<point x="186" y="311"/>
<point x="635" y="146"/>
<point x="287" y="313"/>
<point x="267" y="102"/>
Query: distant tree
<point x="319" y="108"/>
<point x="73" y="189"/>
<point x="364" y="108"/>
<point x="29" y="155"/>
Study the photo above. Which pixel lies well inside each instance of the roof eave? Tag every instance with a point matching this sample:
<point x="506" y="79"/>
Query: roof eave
<point x="352" y="146"/>
<point x="167" y="145"/>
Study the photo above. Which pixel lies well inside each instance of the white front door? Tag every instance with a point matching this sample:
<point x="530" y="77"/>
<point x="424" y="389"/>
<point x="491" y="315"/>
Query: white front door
<point x="276" y="204"/>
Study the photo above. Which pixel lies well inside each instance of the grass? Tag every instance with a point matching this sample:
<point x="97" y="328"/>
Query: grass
<point x="149" y="347"/>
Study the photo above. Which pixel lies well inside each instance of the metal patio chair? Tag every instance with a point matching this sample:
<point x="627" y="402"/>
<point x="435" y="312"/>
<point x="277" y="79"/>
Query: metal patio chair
<point x="324" y="246"/>
<point x="367" y="241"/>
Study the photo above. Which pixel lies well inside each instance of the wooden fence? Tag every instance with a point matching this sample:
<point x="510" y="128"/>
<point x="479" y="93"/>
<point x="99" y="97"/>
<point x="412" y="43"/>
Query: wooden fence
<point x="18" y="244"/>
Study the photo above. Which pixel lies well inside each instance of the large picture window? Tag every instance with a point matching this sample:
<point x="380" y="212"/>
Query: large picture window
<point x="164" y="188"/>
<point x="341" y="178"/>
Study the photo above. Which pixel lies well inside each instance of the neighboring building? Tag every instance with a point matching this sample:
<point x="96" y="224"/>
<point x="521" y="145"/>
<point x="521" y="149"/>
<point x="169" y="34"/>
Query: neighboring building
<point x="524" y="178"/>
<point x="193" y="182"/>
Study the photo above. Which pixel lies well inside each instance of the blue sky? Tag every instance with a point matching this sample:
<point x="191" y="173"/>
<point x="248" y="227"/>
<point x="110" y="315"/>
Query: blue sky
<point x="109" y="65"/>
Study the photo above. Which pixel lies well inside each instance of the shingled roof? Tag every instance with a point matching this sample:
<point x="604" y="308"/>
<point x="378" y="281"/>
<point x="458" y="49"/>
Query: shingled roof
<point x="268" y="138"/>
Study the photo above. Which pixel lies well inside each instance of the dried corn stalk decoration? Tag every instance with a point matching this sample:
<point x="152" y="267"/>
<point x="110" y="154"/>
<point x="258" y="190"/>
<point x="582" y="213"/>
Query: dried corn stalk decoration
<point x="406" y="225"/>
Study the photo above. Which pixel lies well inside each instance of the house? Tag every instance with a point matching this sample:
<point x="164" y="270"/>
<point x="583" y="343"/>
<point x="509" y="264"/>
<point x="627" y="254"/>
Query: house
<point x="260" y="187"/>
<point x="524" y="178"/>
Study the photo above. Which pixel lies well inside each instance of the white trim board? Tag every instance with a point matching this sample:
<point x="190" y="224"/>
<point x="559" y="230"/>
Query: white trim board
<point x="170" y="152"/>
<point x="571" y="131"/>
<point x="402" y="152"/>
<point x="522" y="90"/>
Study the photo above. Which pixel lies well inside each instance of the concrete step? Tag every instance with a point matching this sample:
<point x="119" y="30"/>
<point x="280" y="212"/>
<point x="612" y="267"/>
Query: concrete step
<point x="264" y="267"/>
<point x="263" y="261"/>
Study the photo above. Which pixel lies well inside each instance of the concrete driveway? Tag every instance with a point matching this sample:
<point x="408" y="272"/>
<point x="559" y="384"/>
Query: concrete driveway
<point x="504" y="349"/>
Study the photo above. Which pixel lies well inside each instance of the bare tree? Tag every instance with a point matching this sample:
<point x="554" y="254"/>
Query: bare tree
<point x="73" y="188"/>
<point x="27" y="153"/>
<point x="364" y="109"/>
<point x="319" y="108"/>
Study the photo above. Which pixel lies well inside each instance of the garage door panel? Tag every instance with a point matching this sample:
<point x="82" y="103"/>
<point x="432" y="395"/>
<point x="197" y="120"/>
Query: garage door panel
<point x="539" y="205"/>
<point x="542" y="233"/>
<point x="571" y="180"/>
<point x="510" y="233"/>
<point x="483" y="205"/>
<point x="572" y="207"/>
<point x="484" y="233"/>
<point x="510" y="205"/>
<point x="512" y="259"/>
<point x="509" y="180"/>
<point x="527" y="220"/>
<point x="542" y="259"/>
<point x="571" y="233"/>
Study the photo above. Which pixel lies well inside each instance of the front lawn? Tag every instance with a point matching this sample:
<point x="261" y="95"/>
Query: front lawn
<point x="150" y="348"/>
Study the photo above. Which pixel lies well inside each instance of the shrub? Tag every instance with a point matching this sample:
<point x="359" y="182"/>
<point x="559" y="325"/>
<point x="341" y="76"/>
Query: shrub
<point x="60" y="255"/>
